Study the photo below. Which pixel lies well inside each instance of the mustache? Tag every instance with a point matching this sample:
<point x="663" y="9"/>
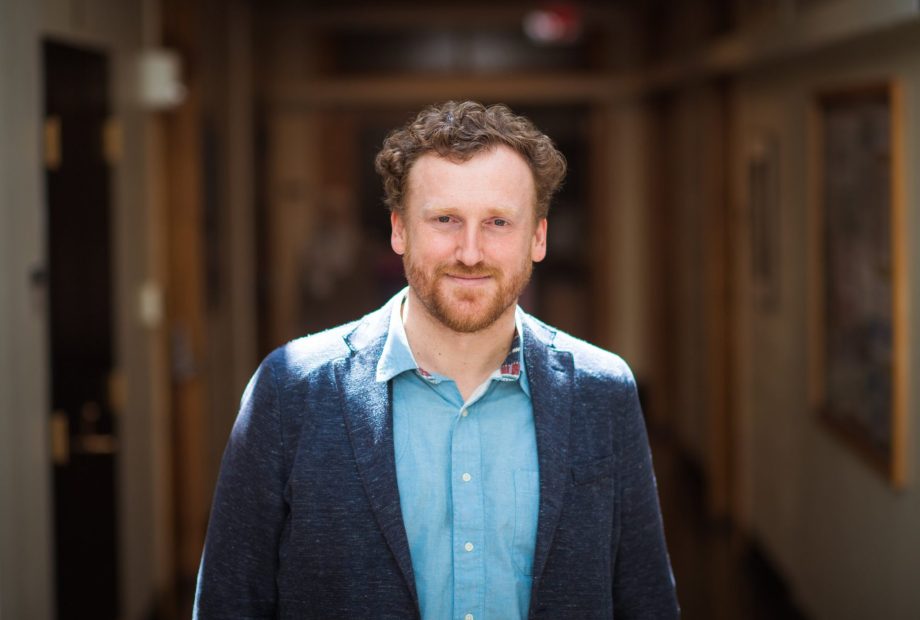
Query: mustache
<point x="480" y="270"/>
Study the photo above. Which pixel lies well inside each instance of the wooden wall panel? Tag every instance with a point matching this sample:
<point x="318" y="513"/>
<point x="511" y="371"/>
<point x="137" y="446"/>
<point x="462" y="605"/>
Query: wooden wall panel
<point x="182" y="29"/>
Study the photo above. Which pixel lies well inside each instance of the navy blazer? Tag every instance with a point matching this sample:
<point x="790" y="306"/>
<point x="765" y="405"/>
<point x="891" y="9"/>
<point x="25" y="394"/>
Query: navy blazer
<point x="306" y="521"/>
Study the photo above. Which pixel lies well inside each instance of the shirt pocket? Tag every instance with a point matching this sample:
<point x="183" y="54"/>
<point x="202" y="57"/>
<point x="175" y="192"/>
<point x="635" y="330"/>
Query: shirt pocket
<point x="526" y="506"/>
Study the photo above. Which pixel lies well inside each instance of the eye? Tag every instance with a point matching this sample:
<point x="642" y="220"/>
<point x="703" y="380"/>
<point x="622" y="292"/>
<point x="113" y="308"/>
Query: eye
<point x="500" y="222"/>
<point x="444" y="219"/>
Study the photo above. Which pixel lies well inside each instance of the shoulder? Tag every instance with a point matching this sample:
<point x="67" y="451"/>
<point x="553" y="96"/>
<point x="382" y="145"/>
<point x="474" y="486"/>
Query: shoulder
<point x="305" y="354"/>
<point x="589" y="360"/>
<point x="308" y="354"/>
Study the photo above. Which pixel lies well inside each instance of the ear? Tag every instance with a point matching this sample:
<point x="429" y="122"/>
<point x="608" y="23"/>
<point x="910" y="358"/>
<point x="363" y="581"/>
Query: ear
<point x="398" y="233"/>
<point x="538" y="245"/>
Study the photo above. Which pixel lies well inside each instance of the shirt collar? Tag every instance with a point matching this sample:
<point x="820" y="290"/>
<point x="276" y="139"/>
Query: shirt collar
<point x="397" y="357"/>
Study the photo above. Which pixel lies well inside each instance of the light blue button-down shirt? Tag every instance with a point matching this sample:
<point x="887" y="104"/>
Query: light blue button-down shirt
<point x="468" y="483"/>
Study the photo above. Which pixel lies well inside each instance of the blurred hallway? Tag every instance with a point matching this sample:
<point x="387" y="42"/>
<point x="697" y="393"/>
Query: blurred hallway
<point x="186" y="185"/>
<point x="718" y="576"/>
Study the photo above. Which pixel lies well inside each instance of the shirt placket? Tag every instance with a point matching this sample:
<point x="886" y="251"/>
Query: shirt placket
<point x="468" y="515"/>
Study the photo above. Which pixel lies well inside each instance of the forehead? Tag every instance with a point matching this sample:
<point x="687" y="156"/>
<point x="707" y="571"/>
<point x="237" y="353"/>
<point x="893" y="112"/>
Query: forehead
<point x="495" y="175"/>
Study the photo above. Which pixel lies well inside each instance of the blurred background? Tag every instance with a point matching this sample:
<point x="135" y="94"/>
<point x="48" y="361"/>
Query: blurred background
<point x="185" y="185"/>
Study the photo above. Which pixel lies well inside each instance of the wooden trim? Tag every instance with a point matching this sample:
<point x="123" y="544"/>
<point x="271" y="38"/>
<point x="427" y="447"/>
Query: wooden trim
<point x="720" y="310"/>
<point x="815" y="223"/>
<point x="187" y="319"/>
<point x="240" y="243"/>
<point x="601" y="213"/>
<point x="409" y="15"/>
<point x="900" y="274"/>
<point x="375" y="91"/>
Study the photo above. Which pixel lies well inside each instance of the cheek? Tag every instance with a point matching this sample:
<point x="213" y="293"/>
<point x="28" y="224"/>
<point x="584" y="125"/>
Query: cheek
<point x="429" y="247"/>
<point x="513" y="251"/>
<point x="526" y="249"/>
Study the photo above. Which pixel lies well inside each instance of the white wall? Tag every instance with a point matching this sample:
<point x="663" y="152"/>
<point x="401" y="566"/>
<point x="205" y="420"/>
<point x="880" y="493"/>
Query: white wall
<point x="26" y="545"/>
<point x="25" y="549"/>
<point x="847" y="543"/>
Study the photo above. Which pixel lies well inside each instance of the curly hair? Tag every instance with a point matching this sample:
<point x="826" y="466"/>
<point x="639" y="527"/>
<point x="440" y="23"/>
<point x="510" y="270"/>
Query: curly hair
<point x="458" y="131"/>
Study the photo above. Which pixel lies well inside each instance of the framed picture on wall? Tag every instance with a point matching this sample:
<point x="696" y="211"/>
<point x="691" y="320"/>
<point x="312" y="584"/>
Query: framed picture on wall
<point x="859" y="382"/>
<point x="763" y="199"/>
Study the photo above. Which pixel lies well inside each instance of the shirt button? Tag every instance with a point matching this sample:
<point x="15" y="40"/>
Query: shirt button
<point x="468" y="546"/>
<point x="464" y="412"/>
<point x="466" y="477"/>
<point x="468" y="617"/>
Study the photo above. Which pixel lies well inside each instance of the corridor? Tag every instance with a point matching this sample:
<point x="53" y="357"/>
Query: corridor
<point x="186" y="185"/>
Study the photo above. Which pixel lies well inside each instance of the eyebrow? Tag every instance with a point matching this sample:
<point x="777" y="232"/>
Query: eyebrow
<point x="495" y="211"/>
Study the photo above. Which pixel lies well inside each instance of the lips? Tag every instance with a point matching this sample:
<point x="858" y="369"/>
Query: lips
<point x="466" y="277"/>
<point x="462" y="279"/>
<point x="467" y="282"/>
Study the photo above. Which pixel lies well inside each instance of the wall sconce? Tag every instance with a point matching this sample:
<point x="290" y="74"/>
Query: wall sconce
<point x="159" y="79"/>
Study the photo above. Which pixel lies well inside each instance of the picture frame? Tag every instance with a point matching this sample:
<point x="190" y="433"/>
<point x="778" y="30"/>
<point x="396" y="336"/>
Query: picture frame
<point x="858" y="274"/>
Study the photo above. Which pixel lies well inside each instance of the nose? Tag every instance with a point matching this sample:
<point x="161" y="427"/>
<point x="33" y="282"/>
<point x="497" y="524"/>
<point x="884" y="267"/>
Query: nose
<point x="469" y="245"/>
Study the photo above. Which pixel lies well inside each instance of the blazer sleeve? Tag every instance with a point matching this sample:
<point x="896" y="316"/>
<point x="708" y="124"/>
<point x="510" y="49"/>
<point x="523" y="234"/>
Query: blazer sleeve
<point x="643" y="585"/>
<point x="237" y="575"/>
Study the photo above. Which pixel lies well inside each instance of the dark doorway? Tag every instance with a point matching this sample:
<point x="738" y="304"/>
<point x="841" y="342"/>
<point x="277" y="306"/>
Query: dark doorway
<point x="81" y="323"/>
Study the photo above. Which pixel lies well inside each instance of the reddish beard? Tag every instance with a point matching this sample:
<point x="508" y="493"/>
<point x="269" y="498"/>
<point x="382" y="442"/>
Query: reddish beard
<point x="466" y="311"/>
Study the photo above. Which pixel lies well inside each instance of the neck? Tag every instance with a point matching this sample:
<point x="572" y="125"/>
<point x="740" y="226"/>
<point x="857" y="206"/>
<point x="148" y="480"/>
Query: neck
<point x="467" y="358"/>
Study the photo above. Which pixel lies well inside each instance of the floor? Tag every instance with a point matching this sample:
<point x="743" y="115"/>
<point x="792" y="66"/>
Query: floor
<point x="718" y="577"/>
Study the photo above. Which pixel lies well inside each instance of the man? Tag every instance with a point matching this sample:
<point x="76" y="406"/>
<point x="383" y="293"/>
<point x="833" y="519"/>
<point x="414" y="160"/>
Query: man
<point x="447" y="456"/>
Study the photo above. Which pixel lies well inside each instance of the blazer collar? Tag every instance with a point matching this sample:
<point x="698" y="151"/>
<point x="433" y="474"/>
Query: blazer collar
<point x="367" y="409"/>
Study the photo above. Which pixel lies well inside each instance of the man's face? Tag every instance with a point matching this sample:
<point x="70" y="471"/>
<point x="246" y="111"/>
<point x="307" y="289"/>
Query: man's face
<point x="468" y="236"/>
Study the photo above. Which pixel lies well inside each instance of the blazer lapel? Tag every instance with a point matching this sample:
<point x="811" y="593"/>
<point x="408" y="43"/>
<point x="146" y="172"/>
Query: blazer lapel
<point x="367" y="407"/>
<point x="550" y="374"/>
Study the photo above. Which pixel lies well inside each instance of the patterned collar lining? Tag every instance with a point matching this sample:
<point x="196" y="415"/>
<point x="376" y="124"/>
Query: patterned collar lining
<point x="510" y="369"/>
<point x="397" y="357"/>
